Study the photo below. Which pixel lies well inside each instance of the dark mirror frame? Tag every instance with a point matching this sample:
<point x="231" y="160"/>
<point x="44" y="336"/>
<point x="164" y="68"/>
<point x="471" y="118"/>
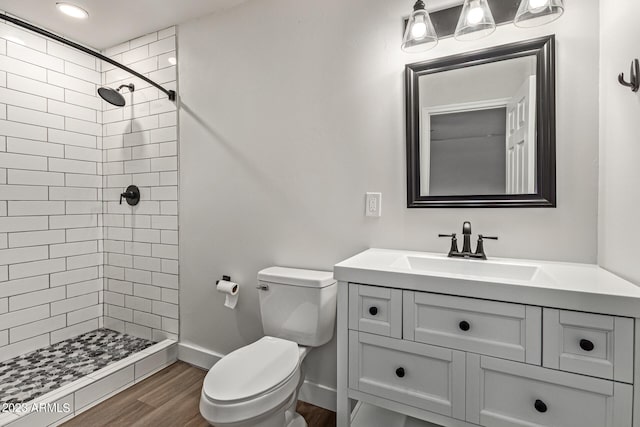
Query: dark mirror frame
<point x="544" y="50"/>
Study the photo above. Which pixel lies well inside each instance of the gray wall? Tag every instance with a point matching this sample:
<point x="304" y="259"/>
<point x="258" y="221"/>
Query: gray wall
<point x="619" y="144"/>
<point x="293" y="109"/>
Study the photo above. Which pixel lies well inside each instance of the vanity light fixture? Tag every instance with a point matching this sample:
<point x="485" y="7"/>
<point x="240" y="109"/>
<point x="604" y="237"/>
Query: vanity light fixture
<point x="476" y="21"/>
<point x="72" y="10"/>
<point x="420" y="34"/>
<point x="533" y="13"/>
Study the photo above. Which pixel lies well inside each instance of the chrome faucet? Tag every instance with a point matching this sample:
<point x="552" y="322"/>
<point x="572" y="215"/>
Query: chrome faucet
<point x="466" y="244"/>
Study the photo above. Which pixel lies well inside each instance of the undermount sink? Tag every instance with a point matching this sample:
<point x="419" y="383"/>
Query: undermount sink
<point x="464" y="267"/>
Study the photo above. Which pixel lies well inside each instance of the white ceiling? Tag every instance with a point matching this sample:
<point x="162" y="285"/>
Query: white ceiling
<point x="112" y="22"/>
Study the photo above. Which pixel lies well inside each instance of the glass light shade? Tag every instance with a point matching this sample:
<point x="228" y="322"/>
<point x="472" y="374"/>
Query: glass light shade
<point x="476" y="21"/>
<point x="532" y="13"/>
<point x="420" y="35"/>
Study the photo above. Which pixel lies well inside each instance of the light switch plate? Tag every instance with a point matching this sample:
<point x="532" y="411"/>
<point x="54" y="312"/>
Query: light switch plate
<point x="373" y="204"/>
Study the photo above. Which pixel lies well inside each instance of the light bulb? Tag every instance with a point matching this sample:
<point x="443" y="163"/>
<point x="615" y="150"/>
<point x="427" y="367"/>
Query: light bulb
<point x="538" y="5"/>
<point x="475" y="14"/>
<point x="419" y="29"/>
<point x="419" y="34"/>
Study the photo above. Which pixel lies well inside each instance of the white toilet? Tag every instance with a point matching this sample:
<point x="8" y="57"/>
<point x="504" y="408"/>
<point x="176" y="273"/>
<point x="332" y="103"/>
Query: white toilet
<point x="257" y="385"/>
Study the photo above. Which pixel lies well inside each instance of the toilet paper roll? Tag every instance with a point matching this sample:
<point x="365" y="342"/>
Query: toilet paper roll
<point x="230" y="289"/>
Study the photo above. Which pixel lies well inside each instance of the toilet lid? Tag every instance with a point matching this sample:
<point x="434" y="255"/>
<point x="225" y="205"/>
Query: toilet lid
<point x="252" y="370"/>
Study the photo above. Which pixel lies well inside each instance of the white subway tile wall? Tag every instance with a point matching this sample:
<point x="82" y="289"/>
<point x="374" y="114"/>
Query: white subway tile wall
<point x="72" y="259"/>
<point x="140" y="147"/>
<point x="51" y="258"/>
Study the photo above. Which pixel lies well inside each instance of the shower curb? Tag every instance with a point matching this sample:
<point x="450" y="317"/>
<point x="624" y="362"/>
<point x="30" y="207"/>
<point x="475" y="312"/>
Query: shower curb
<point x="72" y="399"/>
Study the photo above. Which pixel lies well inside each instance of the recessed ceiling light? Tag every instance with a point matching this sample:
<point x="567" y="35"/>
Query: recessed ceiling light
<point x="72" y="10"/>
<point x="172" y="60"/>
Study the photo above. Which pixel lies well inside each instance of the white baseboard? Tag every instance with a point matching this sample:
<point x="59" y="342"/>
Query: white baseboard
<point x="318" y="395"/>
<point x="310" y="392"/>
<point x="198" y="356"/>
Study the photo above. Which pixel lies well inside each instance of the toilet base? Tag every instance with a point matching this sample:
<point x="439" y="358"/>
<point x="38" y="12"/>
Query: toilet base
<point x="282" y="416"/>
<point x="297" y="421"/>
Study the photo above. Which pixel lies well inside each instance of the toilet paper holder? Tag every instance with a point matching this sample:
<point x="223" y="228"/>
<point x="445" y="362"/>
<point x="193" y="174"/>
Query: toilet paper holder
<point x="230" y="290"/>
<point x="225" y="278"/>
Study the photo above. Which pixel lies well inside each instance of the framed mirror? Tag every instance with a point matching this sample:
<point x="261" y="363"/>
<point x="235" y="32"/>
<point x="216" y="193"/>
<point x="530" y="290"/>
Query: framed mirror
<point x="481" y="128"/>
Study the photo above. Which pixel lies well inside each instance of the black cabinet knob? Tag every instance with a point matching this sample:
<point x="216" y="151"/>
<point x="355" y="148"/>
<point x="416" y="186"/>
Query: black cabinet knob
<point x="586" y="345"/>
<point x="373" y="311"/>
<point x="540" y="406"/>
<point x="400" y="372"/>
<point x="464" y="325"/>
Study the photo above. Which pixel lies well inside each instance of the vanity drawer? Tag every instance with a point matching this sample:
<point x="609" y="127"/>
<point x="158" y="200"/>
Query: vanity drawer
<point x="590" y="344"/>
<point x="509" y="331"/>
<point x="376" y="310"/>
<point x="427" y="377"/>
<point x="507" y="394"/>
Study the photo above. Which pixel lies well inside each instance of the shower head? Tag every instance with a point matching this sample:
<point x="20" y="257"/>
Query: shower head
<point x="113" y="96"/>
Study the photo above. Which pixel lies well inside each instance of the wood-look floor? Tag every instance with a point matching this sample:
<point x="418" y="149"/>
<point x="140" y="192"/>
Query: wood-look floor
<point x="170" y="398"/>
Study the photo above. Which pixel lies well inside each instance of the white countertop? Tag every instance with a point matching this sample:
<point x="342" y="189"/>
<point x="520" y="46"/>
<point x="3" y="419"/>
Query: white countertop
<point x="582" y="287"/>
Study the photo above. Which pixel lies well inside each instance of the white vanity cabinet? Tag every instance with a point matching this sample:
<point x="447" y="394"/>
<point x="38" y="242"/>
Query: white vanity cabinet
<point x="376" y="310"/>
<point x="420" y="375"/>
<point x="508" y="331"/>
<point x="590" y="344"/>
<point x="458" y="361"/>
<point x="501" y="393"/>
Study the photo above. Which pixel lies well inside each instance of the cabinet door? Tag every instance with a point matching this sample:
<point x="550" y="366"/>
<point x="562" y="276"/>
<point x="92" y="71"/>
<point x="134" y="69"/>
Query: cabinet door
<point x="423" y="376"/>
<point x="376" y="310"/>
<point x="589" y="344"/>
<point x="509" y="394"/>
<point x="509" y="331"/>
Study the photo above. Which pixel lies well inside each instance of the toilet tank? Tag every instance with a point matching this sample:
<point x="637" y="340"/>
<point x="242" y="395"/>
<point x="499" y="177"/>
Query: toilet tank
<point x="298" y="305"/>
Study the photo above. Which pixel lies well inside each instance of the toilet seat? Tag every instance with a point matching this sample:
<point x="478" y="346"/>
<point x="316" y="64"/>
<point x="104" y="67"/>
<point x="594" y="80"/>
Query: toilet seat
<point x="251" y="380"/>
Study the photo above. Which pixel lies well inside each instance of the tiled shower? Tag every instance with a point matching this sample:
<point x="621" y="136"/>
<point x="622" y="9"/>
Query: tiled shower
<point x="72" y="259"/>
<point x="140" y="147"/>
<point x="51" y="192"/>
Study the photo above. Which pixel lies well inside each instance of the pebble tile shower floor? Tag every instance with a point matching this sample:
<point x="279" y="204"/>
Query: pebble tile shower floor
<point x="30" y="375"/>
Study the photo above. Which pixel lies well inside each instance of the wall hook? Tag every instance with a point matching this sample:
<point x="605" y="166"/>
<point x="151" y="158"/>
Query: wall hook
<point x="634" y="82"/>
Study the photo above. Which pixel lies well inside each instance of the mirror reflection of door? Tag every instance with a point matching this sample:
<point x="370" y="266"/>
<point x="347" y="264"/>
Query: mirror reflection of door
<point x="466" y="146"/>
<point x="521" y="156"/>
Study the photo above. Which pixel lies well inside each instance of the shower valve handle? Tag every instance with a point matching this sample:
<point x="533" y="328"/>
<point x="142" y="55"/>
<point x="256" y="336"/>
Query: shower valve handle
<point x="127" y="195"/>
<point x="132" y="195"/>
